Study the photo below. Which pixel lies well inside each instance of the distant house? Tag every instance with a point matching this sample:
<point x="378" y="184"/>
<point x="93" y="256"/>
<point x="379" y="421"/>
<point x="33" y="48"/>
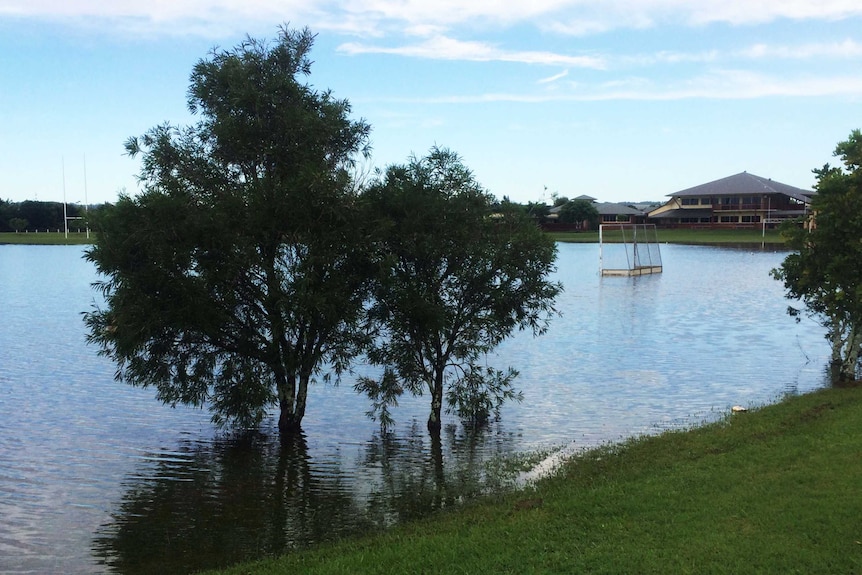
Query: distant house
<point x="613" y="213"/>
<point x="738" y="201"/>
<point x="609" y="212"/>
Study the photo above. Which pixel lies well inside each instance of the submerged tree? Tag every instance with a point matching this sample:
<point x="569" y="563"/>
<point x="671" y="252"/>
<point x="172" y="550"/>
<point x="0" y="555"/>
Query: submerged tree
<point x="824" y="271"/>
<point x="238" y="272"/>
<point x="458" y="278"/>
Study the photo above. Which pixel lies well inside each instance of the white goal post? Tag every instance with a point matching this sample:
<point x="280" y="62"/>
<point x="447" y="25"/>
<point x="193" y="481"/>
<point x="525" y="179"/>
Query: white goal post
<point x="629" y="250"/>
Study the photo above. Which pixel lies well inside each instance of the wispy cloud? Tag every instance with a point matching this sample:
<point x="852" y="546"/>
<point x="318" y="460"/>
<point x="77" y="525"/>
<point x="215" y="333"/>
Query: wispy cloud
<point x="592" y="17"/>
<point x="444" y="48"/>
<point x="378" y="17"/>
<point x="554" y="78"/>
<point x="844" y="49"/>
<point x="718" y="85"/>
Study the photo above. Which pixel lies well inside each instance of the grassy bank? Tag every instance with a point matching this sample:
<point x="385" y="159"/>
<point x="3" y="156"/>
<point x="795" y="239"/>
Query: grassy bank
<point x="693" y="237"/>
<point x="770" y="491"/>
<point x="687" y="236"/>
<point x="45" y="238"/>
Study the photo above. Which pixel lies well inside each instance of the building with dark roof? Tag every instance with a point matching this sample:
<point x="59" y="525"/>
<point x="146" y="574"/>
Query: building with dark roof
<point x="619" y="213"/>
<point x="741" y="200"/>
<point x="609" y="212"/>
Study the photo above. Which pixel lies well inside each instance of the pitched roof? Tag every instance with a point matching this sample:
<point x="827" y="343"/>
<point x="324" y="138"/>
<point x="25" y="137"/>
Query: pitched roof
<point x="609" y="208"/>
<point x="742" y="184"/>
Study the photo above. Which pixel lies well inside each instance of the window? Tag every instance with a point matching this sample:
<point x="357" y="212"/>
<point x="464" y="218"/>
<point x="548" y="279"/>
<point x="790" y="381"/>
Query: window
<point x="750" y="219"/>
<point x="730" y="201"/>
<point x="690" y="201"/>
<point x="706" y="201"/>
<point x="729" y="219"/>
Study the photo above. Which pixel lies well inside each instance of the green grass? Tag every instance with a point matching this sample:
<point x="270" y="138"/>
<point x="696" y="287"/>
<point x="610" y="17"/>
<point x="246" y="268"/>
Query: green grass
<point x="776" y="490"/>
<point x="686" y="236"/>
<point x="45" y="238"/>
<point x="672" y="236"/>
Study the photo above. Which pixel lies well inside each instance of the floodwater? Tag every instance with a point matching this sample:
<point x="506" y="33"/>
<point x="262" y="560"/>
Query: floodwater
<point x="97" y="476"/>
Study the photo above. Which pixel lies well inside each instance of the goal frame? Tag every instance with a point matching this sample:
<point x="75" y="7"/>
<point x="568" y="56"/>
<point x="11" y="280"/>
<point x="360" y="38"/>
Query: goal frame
<point x="634" y="237"/>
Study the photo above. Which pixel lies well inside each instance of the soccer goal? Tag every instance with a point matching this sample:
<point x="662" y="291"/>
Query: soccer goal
<point x="629" y="250"/>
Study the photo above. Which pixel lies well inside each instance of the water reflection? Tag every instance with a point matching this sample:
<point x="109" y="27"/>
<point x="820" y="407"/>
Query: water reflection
<point x="210" y="504"/>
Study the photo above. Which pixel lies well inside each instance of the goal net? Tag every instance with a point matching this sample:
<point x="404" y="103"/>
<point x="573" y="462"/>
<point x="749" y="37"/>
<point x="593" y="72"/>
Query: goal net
<point x="628" y="250"/>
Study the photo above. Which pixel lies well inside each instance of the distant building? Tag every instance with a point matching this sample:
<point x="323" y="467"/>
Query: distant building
<point x="739" y="201"/>
<point x="613" y="213"/>
<point x="609" y="212"/>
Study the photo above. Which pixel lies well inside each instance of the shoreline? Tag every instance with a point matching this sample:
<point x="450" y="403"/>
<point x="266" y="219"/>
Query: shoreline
<point x="724" y="238"/>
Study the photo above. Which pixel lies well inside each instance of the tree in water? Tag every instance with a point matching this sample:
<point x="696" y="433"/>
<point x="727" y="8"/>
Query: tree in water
<point x="823" y="271"/>
<point x="459" y="276"/>
<point x="238" y="272"/>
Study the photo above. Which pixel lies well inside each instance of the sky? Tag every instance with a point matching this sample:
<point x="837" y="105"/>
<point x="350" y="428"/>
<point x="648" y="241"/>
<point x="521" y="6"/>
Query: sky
<point x="621" y="100"/>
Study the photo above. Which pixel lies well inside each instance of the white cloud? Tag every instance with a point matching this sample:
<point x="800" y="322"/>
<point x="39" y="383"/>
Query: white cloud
<point x="444" y="48"/>
<point x="760" y="11"/>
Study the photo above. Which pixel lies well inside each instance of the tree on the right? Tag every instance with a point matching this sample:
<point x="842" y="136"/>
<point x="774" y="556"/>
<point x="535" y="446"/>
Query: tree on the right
<point x="824" y="271"/>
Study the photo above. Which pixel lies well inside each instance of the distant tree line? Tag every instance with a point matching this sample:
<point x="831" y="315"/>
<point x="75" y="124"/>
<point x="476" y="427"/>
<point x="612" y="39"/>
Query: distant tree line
<point x="31" y="215"/>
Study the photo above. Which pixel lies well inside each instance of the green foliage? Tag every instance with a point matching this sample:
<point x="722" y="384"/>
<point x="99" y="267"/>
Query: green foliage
<point x="34" y="215"/>
<point x="480" y="393"/>
<point x="538" y="210"/>
<point x="238" y="271"/>
<point x="383" y="393"/>
<point x="578" y="212"/>
<point x="18" y="224"/>
<point x="457" y="278"/>
<point x="823" y="272"/>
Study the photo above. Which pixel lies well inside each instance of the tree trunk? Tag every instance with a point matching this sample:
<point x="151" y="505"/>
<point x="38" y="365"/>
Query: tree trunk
<point x="434" y="421"/>
<point x="290" y="418"/>
<point x="845" y="353"/>
<point x="293" y="405"/>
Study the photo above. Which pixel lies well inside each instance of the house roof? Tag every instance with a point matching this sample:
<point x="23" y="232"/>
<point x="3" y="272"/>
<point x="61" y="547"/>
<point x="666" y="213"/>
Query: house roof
<point x="609" y="208"/>
<point x="586" y="197"/>
<point x="606" y="208"/>
<point x="742" y="184"/>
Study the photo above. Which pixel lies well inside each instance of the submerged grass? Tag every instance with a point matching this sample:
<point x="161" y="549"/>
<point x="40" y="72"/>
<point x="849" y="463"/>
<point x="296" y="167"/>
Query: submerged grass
<point x="775" y="490"/>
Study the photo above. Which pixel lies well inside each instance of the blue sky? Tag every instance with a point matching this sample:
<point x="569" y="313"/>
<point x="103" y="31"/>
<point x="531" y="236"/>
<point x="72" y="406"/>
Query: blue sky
<point x="622" y="100"/>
